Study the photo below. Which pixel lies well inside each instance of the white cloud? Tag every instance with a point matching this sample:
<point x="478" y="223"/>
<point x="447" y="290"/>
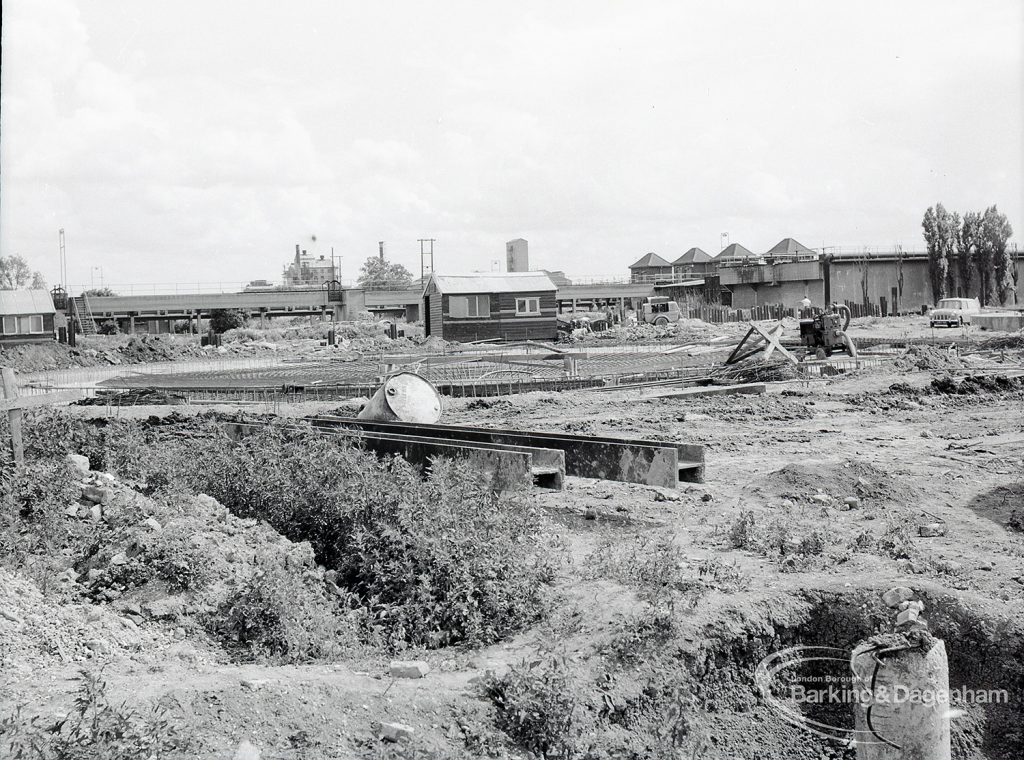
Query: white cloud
<point x="195" y="141"/>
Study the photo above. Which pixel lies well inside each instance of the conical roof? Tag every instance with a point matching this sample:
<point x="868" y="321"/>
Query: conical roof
<point x="789" y="247"/>
<point x="735" y="251"/>
<point x="693" y="256"/>
<point x="650" y="260"/>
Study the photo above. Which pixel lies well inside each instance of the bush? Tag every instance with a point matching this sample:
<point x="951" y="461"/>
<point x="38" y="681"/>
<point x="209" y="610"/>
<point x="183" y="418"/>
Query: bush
<point x="33" y="527"/>
<point x="109" y="327"/>
<point x="95" y="729"/>
<point x="431" y="562"/>
<point x="285" y="617"/>
<point x="222" y="320"/>
<point x="242" y="334"/>
<point x="537" y="706"/>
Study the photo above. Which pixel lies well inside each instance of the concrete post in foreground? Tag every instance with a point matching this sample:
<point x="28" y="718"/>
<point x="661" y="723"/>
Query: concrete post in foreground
<point x="902" y="683"/>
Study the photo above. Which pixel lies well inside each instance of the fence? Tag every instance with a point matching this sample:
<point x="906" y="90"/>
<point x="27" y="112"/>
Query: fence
<point x="720" y="314"/>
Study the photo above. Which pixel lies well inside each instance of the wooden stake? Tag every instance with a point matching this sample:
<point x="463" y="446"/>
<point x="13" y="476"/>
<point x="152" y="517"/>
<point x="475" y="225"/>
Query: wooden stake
<point x="14" y="415"/>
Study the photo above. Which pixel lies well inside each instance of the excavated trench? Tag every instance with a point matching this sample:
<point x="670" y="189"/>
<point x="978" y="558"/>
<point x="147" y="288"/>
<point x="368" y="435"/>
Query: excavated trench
<point x="985" y="653"/>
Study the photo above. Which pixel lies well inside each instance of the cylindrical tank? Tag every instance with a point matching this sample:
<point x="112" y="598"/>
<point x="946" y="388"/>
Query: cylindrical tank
<point x="903" y="712"/>
<point x="404" y="397"/>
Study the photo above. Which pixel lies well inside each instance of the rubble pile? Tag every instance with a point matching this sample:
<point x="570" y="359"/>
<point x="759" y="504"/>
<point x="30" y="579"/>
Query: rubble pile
<point x="929" y="358"/>
<point x="154" y="573"/>
<point x="826" y="484"/>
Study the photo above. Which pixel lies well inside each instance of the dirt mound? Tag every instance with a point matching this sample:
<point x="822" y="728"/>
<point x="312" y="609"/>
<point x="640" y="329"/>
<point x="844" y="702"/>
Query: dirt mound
<point x="37" y="632"/>
<point x="930" y="359"/>
<point x="828" y="483"/>
<point x="974" y="385"/>
<point x="1005" y="341"/>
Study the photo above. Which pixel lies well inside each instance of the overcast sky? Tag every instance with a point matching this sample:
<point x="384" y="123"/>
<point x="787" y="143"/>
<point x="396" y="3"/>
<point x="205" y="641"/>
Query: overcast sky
<point x="197" y="141"/>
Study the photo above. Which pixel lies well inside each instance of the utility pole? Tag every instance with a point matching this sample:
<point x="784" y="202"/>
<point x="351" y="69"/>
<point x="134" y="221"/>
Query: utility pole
<point x="426" y="268"/>
<point x="63" y="261"/>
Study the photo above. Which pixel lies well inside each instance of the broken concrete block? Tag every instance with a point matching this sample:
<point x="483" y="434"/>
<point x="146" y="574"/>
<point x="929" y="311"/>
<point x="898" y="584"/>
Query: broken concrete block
<point x="931" y="530"/>
<point x="96" y="494"/>
<point x="666" y="495"/>
<point x="948" y="566"/>
<point x="852" y="502"/>
<point x="153" y="524"/>
<point x="79" y="464"/>
<point x="246" y="751"/>
<point x="99" y="646"/>
<point x="409" y="669"/>
<point x="119" y="559"/>
<point x="11" y="616"/>
<point x="821" y="498"/>
<point x="96" y="513"/>
<point x="394" y="732"/>
<point x="911" y="618"/>
<point x="895" y="596"/>
<point x="590" y="513"/>
<point x="72" y="511"/>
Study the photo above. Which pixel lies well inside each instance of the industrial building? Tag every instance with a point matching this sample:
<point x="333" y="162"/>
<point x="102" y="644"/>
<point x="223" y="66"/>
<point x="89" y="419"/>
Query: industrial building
<point x="509" y="306"/>
<point x="517" y="256"/>
<point x="309" y="270"/>
<point x="889" y="282"/>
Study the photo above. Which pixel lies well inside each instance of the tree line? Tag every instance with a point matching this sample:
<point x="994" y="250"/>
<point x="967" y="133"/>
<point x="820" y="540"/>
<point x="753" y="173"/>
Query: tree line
<point x="968" y="250"/>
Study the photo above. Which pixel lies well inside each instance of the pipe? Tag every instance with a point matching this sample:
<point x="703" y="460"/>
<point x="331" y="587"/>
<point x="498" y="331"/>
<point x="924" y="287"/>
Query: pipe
<point x="842" y="308"/>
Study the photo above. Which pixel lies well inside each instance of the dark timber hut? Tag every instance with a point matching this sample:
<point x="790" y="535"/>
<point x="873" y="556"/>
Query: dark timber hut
<point x="26" y="316"/>
<point x="507" y="306"/>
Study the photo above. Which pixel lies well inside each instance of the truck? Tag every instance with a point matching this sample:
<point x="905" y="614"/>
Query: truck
<point x="660" y="310"/>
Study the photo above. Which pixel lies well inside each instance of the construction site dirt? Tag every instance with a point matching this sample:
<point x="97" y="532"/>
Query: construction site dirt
<point x="657" y="603"/>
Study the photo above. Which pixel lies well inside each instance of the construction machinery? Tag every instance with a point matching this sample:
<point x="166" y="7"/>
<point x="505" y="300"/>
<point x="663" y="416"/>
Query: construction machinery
<point x="823" y="333"/>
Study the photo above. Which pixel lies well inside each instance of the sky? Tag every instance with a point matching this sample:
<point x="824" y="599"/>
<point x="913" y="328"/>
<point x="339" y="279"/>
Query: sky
<point x="199" y="142"/>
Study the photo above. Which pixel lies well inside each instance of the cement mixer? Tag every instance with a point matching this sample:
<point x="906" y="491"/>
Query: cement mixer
<point x="404" y="397"/>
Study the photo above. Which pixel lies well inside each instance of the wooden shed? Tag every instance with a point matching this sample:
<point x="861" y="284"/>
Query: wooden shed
<point x="26" y="316"/>
<point x="507" y="306"/>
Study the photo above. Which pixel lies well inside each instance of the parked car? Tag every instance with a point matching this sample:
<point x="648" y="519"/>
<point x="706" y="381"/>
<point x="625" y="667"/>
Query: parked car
<point x="953" y="312"/>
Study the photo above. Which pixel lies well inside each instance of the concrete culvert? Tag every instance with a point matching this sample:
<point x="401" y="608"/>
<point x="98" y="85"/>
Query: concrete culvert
<point x="404" y="397"/>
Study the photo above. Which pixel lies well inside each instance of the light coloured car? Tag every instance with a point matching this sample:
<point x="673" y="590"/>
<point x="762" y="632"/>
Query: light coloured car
<point x="953" y="312"/>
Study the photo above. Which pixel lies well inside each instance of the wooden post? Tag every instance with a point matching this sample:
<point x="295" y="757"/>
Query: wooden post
<point x="14" y="415"/>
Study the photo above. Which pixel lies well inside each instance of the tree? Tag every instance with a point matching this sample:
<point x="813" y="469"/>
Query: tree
<point x="938" y="264"/>
<point x="99" y="292"/>
<point x="968" y="243"/>
<point x="949" y="228"/>
<point x="996" y="231"/>
<point x="377" y="273"/>
<point x="222" y="320"/>
<point x="15" y="273"/>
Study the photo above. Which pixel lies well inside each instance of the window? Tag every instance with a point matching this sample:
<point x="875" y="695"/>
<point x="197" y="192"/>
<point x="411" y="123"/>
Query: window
<point x="527" y="306"/>
<point x="23" y="325"/>
<point x="469" y="306"/>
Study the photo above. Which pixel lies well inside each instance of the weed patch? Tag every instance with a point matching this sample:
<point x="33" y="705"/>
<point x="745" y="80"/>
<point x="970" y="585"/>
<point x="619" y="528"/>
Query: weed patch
<point x="95" y="728"/>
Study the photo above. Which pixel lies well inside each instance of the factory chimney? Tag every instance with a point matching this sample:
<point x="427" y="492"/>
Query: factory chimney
<point x="381" y="244"/>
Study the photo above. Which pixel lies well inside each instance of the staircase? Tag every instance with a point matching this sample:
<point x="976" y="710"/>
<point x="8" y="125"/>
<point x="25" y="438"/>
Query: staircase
<point x="86" y="322"/>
